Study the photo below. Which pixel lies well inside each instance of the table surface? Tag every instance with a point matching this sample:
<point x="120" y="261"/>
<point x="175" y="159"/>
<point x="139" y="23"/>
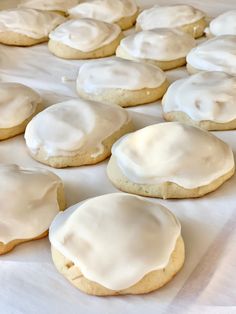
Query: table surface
<point x="31" y="284"/>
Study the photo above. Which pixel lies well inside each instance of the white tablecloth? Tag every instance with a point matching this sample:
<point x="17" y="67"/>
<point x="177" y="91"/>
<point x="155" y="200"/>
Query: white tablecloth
<point x="29" y="283"/>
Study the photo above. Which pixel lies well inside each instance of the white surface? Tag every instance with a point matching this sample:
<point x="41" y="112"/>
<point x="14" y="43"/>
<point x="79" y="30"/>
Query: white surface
<point x="29" y="282"/>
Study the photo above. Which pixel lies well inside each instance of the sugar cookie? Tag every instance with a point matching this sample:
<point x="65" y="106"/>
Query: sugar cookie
<point x="224" y="24"/>
<point x="136" y="249"/>
<point x="60" y="6"/>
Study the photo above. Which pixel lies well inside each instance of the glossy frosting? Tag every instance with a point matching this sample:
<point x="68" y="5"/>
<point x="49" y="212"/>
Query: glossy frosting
<point x="48" y="5"/>
<point x="85" y="34"/>
<point x="203" y="96"/>
<point x="216" y="54"/>
<point x="173" y="152"/>
<point x="32" y="23"/>
<point x="17" y="103"/>
<point x="116" y="239"/>
<point x="168" y="16"/>
<point x="224" y="24"/>
<point x="105" y="10"/>
<point x="160" y="44"/>
<point x="28" y="202"/>
<point x="96" y="76"/>
<point x="74" y="126"/>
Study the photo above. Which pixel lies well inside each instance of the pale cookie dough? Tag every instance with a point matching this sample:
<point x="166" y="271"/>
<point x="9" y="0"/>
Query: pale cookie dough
<point x="61" y="6"/>
<point x="170" y="160"/>
<point x="76" y="132"/>
<point x="85" y="39"/>
<point x="216" y="54"/>
<point x="206" y="99"/>
<point x="165" y="48"/>
<point x="18" y="105"/>
<point x="224" y="24"/>
<point x="30" y="199"/>
<point x="184" y="17"/>
<point x="27" y="27"/>
<point x="121" y="12"/>
<point x="117" y="244"/>
<point x="121" y="82"/>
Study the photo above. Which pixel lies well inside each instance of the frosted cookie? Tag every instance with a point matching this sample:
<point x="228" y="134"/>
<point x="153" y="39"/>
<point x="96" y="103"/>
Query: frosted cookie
<point x="170" y="160"/>
<point x="216" y="54"/>
<point x="18" y="105"/>
<point x="184" y="17"/>
<point x="117" y="244"/>
<point x="76" y="132"/>
<point x="60" y="6"/>
<point x="30" y="199"/>
<point x="165" y="48"/>
<point x="85" y="39"/>
<point x="121" y="82"/>
<point x="224" y="24"/>
<point x="121" y="12"/>
<point x="27" y="27"/>
<point x="206" y="99"/>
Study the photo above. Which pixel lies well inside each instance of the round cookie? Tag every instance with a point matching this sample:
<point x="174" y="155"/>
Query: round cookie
<point x="170" y="160"/>
<point x="76" y="132"/>
<point x="60" y="6"/>
<point x="183" y="17"/>
<point x="27" y="27"/>
<point x="224" y="24"/>
<point x="206" y="100"/>
<point x="136" y="249"/>
<point x="165" y="48"/>
<point x="84" y="39"/>
<point x="216" y="54"/>
<point x="38" y="197"/>
<point x="121" y="82"/>
<point x="18" y="105"/>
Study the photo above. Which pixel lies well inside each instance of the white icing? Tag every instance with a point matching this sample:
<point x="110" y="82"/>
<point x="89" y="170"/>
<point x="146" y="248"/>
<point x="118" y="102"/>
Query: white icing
<point x="173" y="152"/>
<point x="28" y="202"/>
<point x="105" y="10"/>
<point x="85" y="34"/>
<point x="203" y="96"/>
<point x="96" y="76"/>
<point x="160" y="44"/>
<point x="216" y="54"/>
<point x="168" y="16"/>
<point x="224" y="24"/>
<point x="33" y="23"/>
<point x="17" y="103"/>
<point x="74" y="126"/>
<point x="116" y="239"/>
<point x="48" y="5"/>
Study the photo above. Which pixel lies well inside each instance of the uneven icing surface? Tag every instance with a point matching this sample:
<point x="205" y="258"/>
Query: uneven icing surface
<point x="224" y="24"/>
<point x="168" y="16"/>
<point x="17" y="103"/>
<point x="217" y="54"/>
<point x="105" y="10"/>
<point x="28" y="202"/>
<point x="173" y="152"/>
<point x="74" y="126"/>
<point x="96" y="76"/>
<point x="85" y="34"/>
<point x="160" y="44"/>
<point x="203" y="96"/>
<point x="116" y="239"/>
<point x="48" y="5"/>
<point x="29" y="22"/>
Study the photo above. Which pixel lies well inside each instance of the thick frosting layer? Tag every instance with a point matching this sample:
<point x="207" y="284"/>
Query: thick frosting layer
<point x="160" y="44"/>
<point x="49" y="5"/>
<point x="85" y="34"/>
<point x="28" y="202"/>
<point x="17" y="103"/>
<point x="116" y="239"/>
<point x="96" y="76"/>
<point x="173" y="152"/>
<point x="168" y="16"/>
<point x="105" y="10"/>
<point x="224" y="24"/>
<point x="217" y="54"/>
<point x="74" y="126"/>
<point x="203" y="96"/>
<point x="33" y="23"/>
